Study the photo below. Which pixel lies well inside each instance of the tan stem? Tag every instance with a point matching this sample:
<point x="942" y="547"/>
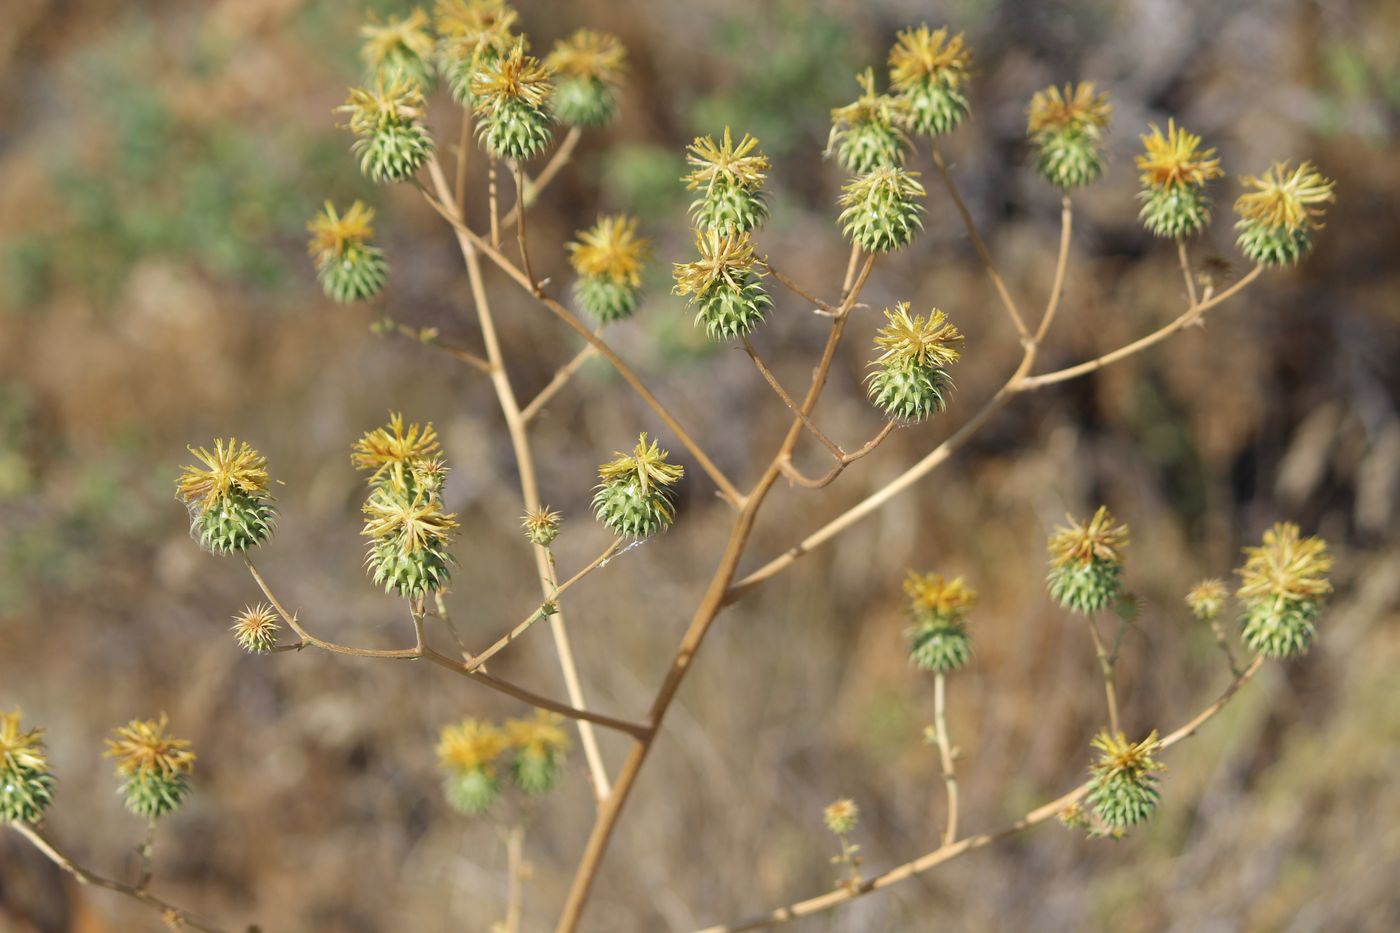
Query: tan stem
<point x="561" y="378"/>
<point x="534" y="187"/>
<point x="1106" y="663"/>
<point x="945" y="756"/>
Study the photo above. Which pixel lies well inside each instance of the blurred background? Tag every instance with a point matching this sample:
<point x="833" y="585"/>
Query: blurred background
<point x="158" y="162"/>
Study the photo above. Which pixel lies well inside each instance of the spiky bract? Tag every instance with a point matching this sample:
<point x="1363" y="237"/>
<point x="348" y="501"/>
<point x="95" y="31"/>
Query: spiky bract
<point x="866" y="134"/>
<point x="928" y="69"/>
<point x="348" y="266"/>
<point x="538" y="746"/>
<point x="541" y="526"/>
<point x="256" y="628"/>
<point x="731" y="177"/>
<point x="1066" y="128"/>
<point x="409" y="533"/>
<point x="608" y="258"/>
<point x="509" y="95"/>
<point x="1277" y="218"/>
<point x="1086" y="562"/>
<point x="938" y="639"/>
<point x="1123" y="787"/>
<point x="882" y="210"/>
<point x="588" y="66"/>
<point x="910" y="380"/>
<point x="724" y="285"/>
<point x="26" y="784"/>
<point x="1175" y="169"/>
<point x="634" y="496"/>
<point x="153" y="765"/>
<point x="230" y="509"/>
<point x="399" y="49"/>
<point x="390" y="137"/>
<point x="1282" y="587"/>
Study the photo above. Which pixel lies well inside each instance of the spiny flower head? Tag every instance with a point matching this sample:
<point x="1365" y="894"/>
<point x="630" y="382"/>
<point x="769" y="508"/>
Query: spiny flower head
<point x="474" y="22"/>
<point x="232" y="466"/>
<point x="724" y="258"/>
<point x="740" y="165"/>
<point x="515" y="76"/>
<point x="610" y="249"/>
<point x="841" y="816"/>
<point x="1287" y="566"/>
<point x="646" y="464"/>
<point x="1206" y="599"/>
<point x="866" y="134"/>
<point x="256" y="628"/>
<point x="333" y="234"/>
<point x="882" y="209"/>
<point x="925" y="54"/>
<point x="588" y="54"/>
<point x="539" y="745"/>
<point x="932" y="594"/>
<point x="20" y="749"/>
<point x="412" y="522"/>
<point x="1284" y="198"/>
<point x="1123" y="789"/>
<point x="394" y="443"/>
<point x="1101" y="538"/>
<point x="541" y="525"/>
<point x="918" y="341"/>
<point x="143" y="747"/>
<point x="1176" y="160"/>
<point x="1079" y="107"/>
<point x="470" y="745"/>
<point x="392" y="103"/>
<point x="400" y="46"/>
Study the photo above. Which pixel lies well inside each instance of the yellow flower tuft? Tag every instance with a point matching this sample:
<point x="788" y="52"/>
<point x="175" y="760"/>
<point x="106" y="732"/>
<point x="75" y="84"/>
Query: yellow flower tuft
<point x="928" y="54"/>
<point x="870" y="107"/>
<point x="740" y="165"/>
<point x="256" y="627"/>
<point x="647" y="463"/>
<point x="1078" y="107"/>
<point x="539" y="736"/>
<point x="231" y="465"/>
<point x="944" y="598"/>
<point x="391" y="103"/>
<point x="841" y="816"/>
<point x="541" y="525"/>
<point x="611" y="249"/>
<point x="382" y="448"/>
<point x="1206" y="599"/>
<point x="21" y="749"/>
<point x="589" y="54"/>
<point x="473" y="20"/>
<point x="1284" y="198"/>
<point x="470" y="745"/>
<point x="1176" y="160"/>
<point x="1286" y="567"/>
<point x="725" y="258"/>
<point x="385" y="41"/>
<point x="412" y="522"/>
<point x="1118" y="755"/>
<point x="923" y="342"/>
<point x="143" y="747"/>
<point x="332" y="233"/>
<point x="515" y="76"/>
<point x="1100" y="538"/>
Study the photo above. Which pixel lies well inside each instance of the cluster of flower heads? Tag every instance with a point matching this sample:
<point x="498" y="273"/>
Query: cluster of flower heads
<point x="470" y="754"/>
<point x="938" y="639"/>
<point x="227" y="497"/>
<point x="910" y="378"/>
<point x="1283" y="583"/>
<point x="1086" y="562"/>
<point x="635" y="495"/>
<point x="153" y="766"/>
<point x="608" y="258"/>
<point x="725" y="284"/>
<point x="409" y="530"/>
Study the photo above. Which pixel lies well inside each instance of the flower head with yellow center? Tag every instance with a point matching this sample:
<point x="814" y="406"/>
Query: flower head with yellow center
<point x="473" y="23"/>
<point x="841" y="816"/>
<point x="514" y="77"/>
<point x="918" y="341"/>
<point x="588" y="54"/>
<point x="334" y="234"/>
<point x="470" y="745"/>
<point x="647" y="464"/>
<point x="20" y="749"/>
<point x="538" y="735"/>
<point x="414" y="522"/>
<point x="925" y="54"/>
<point x="1101" y="538"/>
<point x="143" y="747"/>
<point x="1206" y="599"/>
<point x="232" y="465"/>
<point x="724" y="258"/>
<point x="397" y="42"/>
<point x="1079" y="107"/>
<point x="611" y="249"/>
<point x="394" y="444"/>
<point x="1176" y="160"/>
<point x="740" y="165"/>
<point x="392" y="103"/>
<point x="1284" y="198"/>
<point x="541" y="525"/>
<point x="256" y="628"/>
<point x="1287" y="566"/>
<point x="931" y="593"/>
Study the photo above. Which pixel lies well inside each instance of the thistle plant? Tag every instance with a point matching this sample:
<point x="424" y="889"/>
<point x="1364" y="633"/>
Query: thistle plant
<point x="723" y="285"/>
<point x="1282" y="586"/>
<point x="634" y="496"/>
<point x="1066" y="129"/>
<point x="1123" y="791"/>
<point x="511" y="101"/>
<point x="938" y="639"/>
<point x="588" y="66"/>
<point x="910" y="380"/>
<point x="1086" y="562"/>
<point x="471" y="35"/>
<point x="348" y="266"/>
<point x="26" y="784"/>
<point x="400" y="49"/>
<point x="882" y="209"/>
<point x="509" y="94"/>
<point x="928" y="73"/>
<point x="730" y="178"/>
<point x="153" y="766"/>
<point x="1278" y="216"/>
<point x="867" y="133"/>
<point x="608" y="258"/>
<point x="229" y="505"/>
<point x="387" y="120"/>
<point x="1175" y="170"/>
<point x="468" y="753"/>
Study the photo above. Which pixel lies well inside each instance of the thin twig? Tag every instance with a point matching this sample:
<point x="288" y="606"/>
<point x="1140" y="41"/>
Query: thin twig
<point x="561" y="378"/>
<point x="796" y="289"/>
<point x="464" y="140"/>
<point x="491" y="199"/>
<point x="428" y="337"/>
<point x="533" y="187"/>
<point x="945" y="756"/>
<point x="1061" y="263"/>
<point x="520" y="226"/>
<point x="1106" y="664"/>
<point x="515" y="879"/>
<point x="1185" y="259"/>
<point x="772" y="380"/>
<point x="845" y="460"/>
